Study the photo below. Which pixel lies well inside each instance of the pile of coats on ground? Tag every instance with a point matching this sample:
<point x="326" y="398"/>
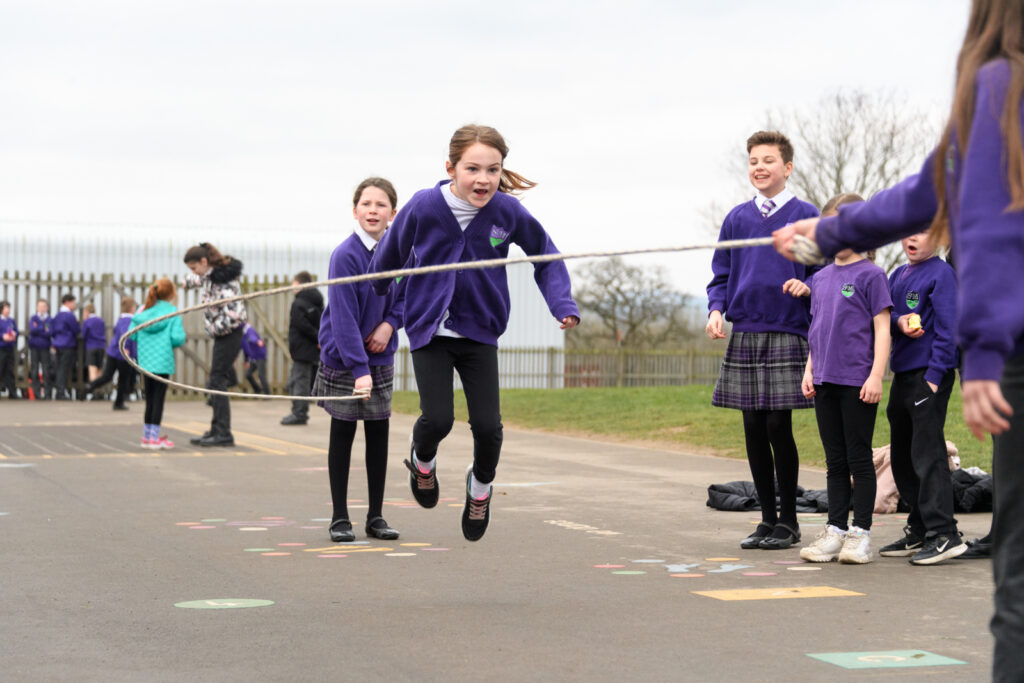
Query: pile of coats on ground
<point x="972" y="490"/>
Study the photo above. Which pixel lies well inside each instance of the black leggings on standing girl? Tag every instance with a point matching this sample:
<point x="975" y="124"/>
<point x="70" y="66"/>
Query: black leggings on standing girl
<point x="155" y="394"/>
<point x="772" y="453"/>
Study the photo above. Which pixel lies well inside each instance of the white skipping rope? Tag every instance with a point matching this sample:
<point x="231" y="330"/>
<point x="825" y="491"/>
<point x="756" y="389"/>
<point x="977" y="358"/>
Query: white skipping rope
<point x="805" y="251"/>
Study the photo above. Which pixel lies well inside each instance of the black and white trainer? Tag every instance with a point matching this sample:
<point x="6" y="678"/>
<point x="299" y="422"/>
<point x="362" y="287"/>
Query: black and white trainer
<point x="909" y="545"/>
<point x="940" y="548"/>
<point x="424" y="486"/>
<point x="476" y="514"/>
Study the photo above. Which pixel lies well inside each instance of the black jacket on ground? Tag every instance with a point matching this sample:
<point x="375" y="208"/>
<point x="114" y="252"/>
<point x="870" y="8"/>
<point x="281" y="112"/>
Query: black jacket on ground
<point x="304" y="326"/>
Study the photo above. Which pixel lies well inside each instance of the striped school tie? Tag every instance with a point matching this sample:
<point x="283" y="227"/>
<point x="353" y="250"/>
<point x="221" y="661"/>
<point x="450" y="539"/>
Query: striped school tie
<point x="766" y="208"/>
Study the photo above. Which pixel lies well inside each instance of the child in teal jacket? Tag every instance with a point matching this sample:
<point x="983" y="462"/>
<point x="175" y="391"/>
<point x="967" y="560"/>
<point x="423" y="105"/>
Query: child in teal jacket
<point x="155" y="351"/>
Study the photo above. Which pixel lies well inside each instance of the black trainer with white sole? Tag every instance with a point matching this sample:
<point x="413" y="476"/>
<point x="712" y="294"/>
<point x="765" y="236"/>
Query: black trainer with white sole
<point x="938" y="549"/>
<point x="424" y="486"/>
<point x="909" y="545"/>
<point x="476" y="514"/>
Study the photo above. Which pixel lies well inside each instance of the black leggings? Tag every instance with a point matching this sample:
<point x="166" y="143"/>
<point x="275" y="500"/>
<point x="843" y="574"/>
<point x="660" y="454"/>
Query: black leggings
<point x="478" y="369"/>
<point x="155" y="394"/>
<point x="339" y="457"/>
<point x="771" y="452"/>
<point x="846" y="425"/>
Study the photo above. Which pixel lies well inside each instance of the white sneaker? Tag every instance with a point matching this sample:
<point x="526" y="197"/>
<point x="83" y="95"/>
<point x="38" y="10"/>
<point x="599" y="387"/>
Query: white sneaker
<point x="826" y="547"/>
<point x="857" y="548"/>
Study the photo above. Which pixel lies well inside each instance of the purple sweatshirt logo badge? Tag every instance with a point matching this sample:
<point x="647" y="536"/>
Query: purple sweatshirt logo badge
<point x="498" y="235"/>
<point x="913" y="299"/>
<point x="847" y="290"/>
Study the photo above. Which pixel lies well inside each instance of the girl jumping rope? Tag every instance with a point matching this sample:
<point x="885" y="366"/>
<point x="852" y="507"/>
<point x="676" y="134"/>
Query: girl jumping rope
<point x="155" y="351"/>
<point x="454" y="319"/>
<point x="972" y="189"/>
<point x="357" y="348"/>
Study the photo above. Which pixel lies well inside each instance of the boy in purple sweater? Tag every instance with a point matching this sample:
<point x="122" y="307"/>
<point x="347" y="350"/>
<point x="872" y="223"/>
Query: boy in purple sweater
<point x="8" y="350"/>
<point x="924" y="361"/>
<point x="758" y="292"/>
<point x="115" y="361"/>
<point x="254" y="354"/>
<point x="40" y="360"/>
<point x="94" y="337"/>
<point x="972" y="189"/>
<point x="66" y="331"/>
<point x="454" y="319"/>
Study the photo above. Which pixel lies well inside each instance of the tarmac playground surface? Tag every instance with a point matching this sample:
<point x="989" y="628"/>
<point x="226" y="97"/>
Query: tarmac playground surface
<point x="601" y="563"/>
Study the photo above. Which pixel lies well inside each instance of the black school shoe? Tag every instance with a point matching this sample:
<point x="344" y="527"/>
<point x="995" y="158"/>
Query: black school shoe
<point x="341" y="531"/>
<point x="211" y="440"/>
<point x="784" y="536"/>
<point x="978" y="549"/>
<point x="753" y="541"/>
<point x="476" y="514"/>
<point x="909" y="545"/>
<point x="378" y="528"/>
<point x="424" y="486"/>
<point x="939" y="548"/>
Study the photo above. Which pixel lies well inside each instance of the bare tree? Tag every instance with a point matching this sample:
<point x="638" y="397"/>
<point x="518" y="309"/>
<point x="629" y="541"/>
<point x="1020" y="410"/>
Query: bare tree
<point x="850" y="141"/>
<point x="630" y="306"/>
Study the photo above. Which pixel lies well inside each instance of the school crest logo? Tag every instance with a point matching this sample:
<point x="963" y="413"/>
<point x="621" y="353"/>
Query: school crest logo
<point x="913" y="299"/>
<point x="847" y="289"/>
<point x="498" y="235"/>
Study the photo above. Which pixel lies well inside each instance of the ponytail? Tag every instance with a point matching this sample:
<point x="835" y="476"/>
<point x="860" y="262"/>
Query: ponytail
<point x="162" y="289"/>
<point x="205" y="250"/>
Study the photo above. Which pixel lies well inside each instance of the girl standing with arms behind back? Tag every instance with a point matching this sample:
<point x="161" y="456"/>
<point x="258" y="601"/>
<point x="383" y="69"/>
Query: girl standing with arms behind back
<point x="454" y="319"/>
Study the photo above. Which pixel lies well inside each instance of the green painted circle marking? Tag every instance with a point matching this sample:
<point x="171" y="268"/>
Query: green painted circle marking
<point x="215" y="519"/>
<point x="259" y="550"/>
<point x="223" y="603"/>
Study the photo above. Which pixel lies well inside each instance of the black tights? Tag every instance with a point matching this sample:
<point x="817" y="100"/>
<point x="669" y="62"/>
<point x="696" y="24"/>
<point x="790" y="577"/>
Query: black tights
<point x="339" y="457"/>
<point x="770" y="433"/>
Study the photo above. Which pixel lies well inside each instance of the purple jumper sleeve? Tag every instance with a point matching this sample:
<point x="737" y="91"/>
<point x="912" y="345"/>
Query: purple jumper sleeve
<point x="553" y="277"/>
<point x="343" y="307"/>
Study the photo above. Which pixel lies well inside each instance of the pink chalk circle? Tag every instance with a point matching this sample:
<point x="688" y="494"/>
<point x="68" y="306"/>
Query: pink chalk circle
<point x="202" y="526"/>
<point x="186" y="523"/>
<point x="274" y="554"/>
<point x="252" y="528"/>
<point x="760" y="573"/>
<point x="290" y="545"/>
<point x="609" y="566"/>
<point x="687" y="576"/>
<point x="334" y="555"/>
<point x="788" y="562"/>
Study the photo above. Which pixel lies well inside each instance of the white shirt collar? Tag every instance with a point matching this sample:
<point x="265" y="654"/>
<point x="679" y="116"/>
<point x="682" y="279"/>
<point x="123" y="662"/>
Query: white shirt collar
<point x="780" y="200"/>
<point x="65" y="308"/>
<point x="365" y="238"/>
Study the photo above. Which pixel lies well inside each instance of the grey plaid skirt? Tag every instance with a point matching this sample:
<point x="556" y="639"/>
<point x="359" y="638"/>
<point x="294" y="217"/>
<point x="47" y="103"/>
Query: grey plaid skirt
<point x="331" y="382"/>
<point x="762" y="371"/>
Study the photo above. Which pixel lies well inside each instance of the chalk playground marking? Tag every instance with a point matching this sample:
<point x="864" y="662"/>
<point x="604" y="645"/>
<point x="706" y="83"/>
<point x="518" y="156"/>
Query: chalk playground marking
<point x="778" y="593"/>
<point x="888" y="659"/>
<point x="223" y="603"/>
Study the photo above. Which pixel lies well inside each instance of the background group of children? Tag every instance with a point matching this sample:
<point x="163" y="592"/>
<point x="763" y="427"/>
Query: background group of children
<point x="804" y="337"/>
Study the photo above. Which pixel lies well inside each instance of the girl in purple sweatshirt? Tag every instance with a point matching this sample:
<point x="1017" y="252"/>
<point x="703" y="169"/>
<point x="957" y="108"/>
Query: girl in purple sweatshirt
<point x="454" y="318"/>
<point x="972" y="188"/>
<point x="358" y="337"/>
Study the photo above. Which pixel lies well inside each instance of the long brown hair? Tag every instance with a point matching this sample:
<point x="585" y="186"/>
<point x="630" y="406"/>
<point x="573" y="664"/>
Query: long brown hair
<point x="995" y="30"/>
<point x="205" y="250"/>
<point x="162" y="289"/>
<point x="467" y="136"/>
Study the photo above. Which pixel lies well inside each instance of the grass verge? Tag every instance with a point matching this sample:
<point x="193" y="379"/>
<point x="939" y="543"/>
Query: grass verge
<point x="678" y="418"/>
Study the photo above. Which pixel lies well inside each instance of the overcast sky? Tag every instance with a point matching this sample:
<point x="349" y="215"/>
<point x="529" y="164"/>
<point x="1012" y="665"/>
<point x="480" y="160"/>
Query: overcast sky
<point x="263" y="116"/>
